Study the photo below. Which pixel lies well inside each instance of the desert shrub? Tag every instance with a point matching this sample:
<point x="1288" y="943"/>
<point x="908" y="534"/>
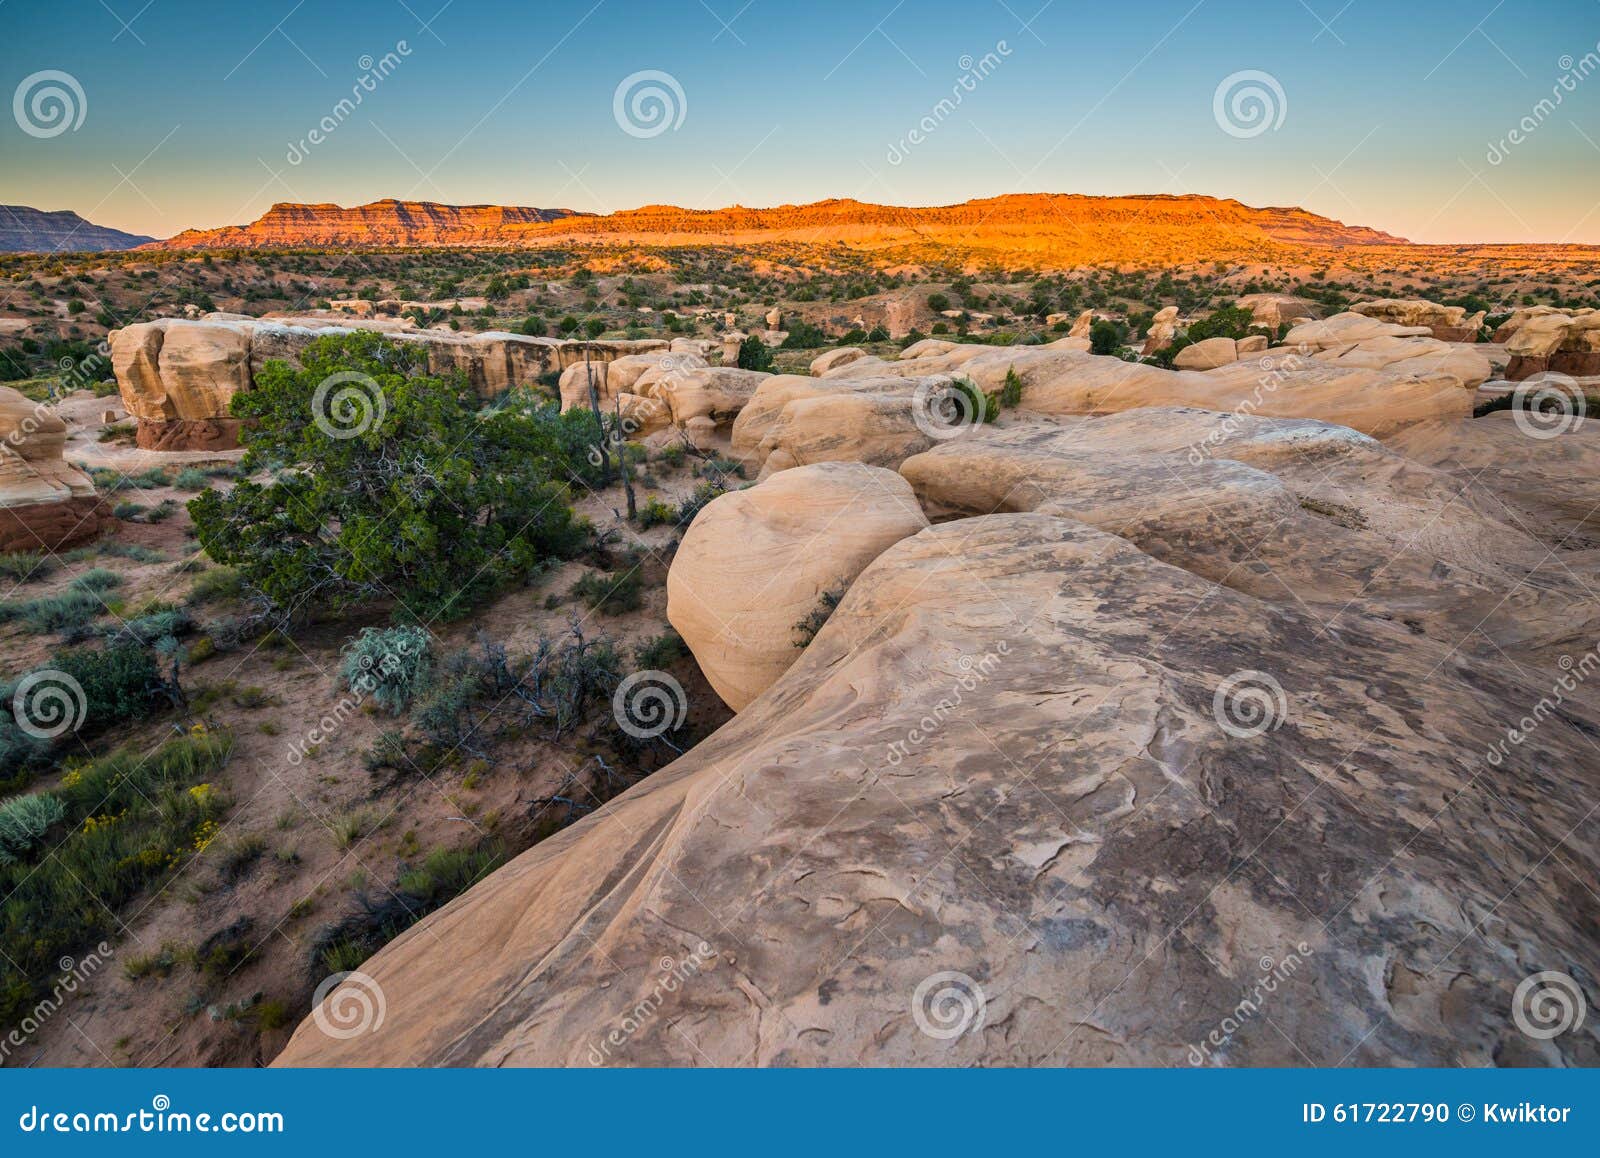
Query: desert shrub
<point x="191" y="479"/>
<point x="25" y="566"/>
<point x="695" y="503"/>
<point x="219" y="585"/>
<point x="1010" y="394"/>
<point x="806" y="630"/>
<point x="803" y="335"/>
<point x="135" y="551"/>
<point x="656" y="512"/>
<point x="387" y="663"/>
<point x="754" y="355"/>
<point x="120" y="682"/>
<point x="25" y="819"/>
<point x="97" y="579"/>
<point x="69" y="611"/>
<point x="1105" y="337"/>
<point x="1224" y="322"/>
<point x="421" y="495"/>
<point x="611" y="594"/>
<point x="660" y="651"/>
<point x="973" y="402"/>
<point x="128" y="512"/>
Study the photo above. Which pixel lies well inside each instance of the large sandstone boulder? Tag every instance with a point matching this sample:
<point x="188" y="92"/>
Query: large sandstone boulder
<point x="1207" y="354"/>
<point x="824" y="362"/>
<point x="45" y="503"/>
<point x="755" y="563"/>
<point x="1039" y="793"/>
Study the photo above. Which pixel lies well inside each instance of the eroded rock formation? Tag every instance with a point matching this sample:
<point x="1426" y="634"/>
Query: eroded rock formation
<point x="756" y="564"/>
<point x="1171" y="702"/>
<point x="45" y="504"/>
<point x="178" y="377"/>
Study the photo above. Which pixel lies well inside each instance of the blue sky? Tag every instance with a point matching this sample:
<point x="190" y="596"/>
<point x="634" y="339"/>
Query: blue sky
<point x="1388" y="109"/>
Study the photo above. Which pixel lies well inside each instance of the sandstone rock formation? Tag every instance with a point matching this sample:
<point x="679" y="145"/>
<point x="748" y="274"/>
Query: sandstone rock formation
<point x="45" y="504"/>
<point x="1541" y="339"/>
<point x="178" y="377"/>
<point x="1207" y="354"/>
<point x="385" y="223"/>
<point x="832" y="359"/>
<point x="1163" y="328"/>
<point x="1056" y="784"/>
<point x="755" y="563"/>
<point x="1270" y="311"/>
<point x="1447" y="323"/>
<point x="1352" y="339"/>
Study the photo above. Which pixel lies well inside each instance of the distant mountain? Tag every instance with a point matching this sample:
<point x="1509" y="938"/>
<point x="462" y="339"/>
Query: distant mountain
<point x="383" y="224"/>
<point x="24" y="229"/>
<point x="1012" y="229"/>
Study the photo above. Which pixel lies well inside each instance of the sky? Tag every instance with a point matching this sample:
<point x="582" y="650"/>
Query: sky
<point x="1423" y="119"/>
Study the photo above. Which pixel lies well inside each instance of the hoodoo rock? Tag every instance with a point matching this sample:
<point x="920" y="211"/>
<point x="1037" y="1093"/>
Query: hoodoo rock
<point x="45" y="504"/>
<point x="1163" y="328"/>
<point x="1565" y="341"/>
<point x="756" y="563"/>
<point x="1199" y="707"/>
